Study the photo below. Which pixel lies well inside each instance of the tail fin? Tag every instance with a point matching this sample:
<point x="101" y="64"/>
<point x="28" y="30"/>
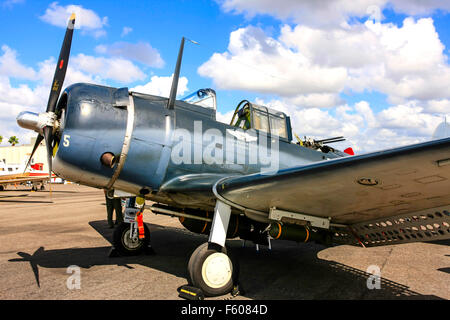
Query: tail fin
<point x="442" y="131"/>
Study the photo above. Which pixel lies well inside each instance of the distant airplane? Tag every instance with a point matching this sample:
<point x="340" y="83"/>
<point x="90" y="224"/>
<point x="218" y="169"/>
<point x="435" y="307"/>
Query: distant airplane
<point x="16" y="175"/>
<point x="247" y="179"/>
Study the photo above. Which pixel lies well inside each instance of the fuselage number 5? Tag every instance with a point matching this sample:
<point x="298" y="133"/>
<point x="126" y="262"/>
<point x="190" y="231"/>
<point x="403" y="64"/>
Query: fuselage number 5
<point x="66" y="141"/>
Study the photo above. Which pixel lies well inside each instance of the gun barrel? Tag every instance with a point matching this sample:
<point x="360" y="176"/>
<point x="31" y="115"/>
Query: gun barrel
<point x="329" y="140"/>
<point x="333" y="141"/>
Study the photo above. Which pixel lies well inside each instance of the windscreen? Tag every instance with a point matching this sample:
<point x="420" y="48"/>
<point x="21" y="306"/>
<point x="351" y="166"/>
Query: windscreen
<point x="204" y="97"/>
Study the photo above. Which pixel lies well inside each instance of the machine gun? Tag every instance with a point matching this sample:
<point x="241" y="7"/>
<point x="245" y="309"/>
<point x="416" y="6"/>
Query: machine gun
<point x="318" y="144"/>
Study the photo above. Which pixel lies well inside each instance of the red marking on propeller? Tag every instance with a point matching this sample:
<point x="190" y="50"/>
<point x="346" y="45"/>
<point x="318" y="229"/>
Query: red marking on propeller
<point x="61" y="64"/>
<point x="349" y="151"/>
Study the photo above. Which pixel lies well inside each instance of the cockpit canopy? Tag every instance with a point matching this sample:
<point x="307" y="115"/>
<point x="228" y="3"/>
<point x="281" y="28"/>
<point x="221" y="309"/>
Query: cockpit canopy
<point x="252" y="116"/>
<point x="203" y="97"/>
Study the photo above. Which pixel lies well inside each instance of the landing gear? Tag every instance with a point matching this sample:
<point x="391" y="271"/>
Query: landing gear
<point x="126" y="240"/>
<point x="211" y="268"/>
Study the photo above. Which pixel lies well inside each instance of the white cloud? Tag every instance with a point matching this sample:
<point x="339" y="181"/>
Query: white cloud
<point x="419" y="7"/>
<point x="318" y="100"/>
<point x="11" y="67"/>
<point x="309" y="65"/>
<point x="259" y="63"/>
<point x="224" y="117"/>
<point x="16" y="97"/>
<point x="325" y="13"/>
<point x="312" y="66"/>
<point x="22" y="95"/>
<point x="73" y="75"/>
<point x="353" y="47"/>
<point x="411" y="117"/>
<point x="11" y="3"/>
<point x="87" y="20"/>
<point x="142" y="52"/>
<point x="327" y="52"/>
<point x="117" y="69"/>
<point x="438" y="106"/>
<point x="125" y="31"/>
<point x="330" y="13"/>
<point x="14" y="100"/>
<point x="364" y="129"/>
<point x="160" y="86"/>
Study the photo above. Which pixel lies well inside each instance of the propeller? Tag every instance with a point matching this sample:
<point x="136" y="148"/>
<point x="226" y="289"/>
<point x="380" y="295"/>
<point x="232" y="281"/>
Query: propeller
<point x="45" y="123"/>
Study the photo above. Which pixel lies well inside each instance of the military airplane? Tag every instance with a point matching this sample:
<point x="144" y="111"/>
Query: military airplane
<point x="247" y="179"/>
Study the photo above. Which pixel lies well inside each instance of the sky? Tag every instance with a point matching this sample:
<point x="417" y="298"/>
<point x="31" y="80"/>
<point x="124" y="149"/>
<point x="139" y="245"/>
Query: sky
<point x="373" y="71"/>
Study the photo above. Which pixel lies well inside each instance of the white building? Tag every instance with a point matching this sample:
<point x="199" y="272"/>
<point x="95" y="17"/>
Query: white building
<point x="15" y="156"/>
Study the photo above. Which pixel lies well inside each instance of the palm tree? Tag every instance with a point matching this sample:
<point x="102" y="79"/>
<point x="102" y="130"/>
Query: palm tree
<point x="13" y="140"/>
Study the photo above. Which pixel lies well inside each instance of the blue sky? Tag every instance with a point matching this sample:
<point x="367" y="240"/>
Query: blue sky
<point x="287" y="54"/>
<point x="160" y="23"/>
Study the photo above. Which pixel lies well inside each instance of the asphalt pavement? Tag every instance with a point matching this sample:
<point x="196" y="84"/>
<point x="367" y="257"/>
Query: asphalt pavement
<point x="56" y="246"/>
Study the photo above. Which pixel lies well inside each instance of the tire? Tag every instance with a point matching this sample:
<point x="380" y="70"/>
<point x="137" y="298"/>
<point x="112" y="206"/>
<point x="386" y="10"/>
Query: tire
<point x="2" y="188"/>
<point x="124" y="245"/>
<point x="200" y="265"/>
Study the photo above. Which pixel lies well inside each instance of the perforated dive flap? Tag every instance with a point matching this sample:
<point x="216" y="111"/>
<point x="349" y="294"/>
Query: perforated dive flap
<point x="426" y="225"/>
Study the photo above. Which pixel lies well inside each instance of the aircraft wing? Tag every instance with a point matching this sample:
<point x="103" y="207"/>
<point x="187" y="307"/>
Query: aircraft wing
<point x="22" y="179"/>
<point x="366" y="192"/>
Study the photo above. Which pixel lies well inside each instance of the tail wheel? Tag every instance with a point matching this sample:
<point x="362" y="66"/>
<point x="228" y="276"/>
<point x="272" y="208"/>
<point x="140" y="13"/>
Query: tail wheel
<point x="212" y="270"/>
<point x="125" y="244"/>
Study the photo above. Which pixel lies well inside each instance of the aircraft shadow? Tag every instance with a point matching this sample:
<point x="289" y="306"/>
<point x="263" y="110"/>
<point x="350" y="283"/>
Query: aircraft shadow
<point x="14" y="196"/>
<point x="289" y="271"/>
<point x="39" y="191"/>
<point x="446" y="270"/>
<point x="445" y="242"/>
<point x="25" y="201"/>
<point x="56" y="191"/>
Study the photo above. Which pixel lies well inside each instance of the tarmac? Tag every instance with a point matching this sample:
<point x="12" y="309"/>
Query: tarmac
<point x="56" y="247"/>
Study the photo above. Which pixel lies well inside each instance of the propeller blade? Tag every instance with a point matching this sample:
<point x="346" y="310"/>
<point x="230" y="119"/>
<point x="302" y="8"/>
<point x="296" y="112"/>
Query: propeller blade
<point x="61" y="67"/>
<point x="48" y="135"/>
<point x="36" y="145"/>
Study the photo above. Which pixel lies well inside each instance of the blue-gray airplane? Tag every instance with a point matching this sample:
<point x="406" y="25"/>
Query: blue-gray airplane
<point x="249" y="179"/>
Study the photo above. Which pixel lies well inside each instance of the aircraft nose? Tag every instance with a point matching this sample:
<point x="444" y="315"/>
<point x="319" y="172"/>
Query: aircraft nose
<point x="28" y="120"/>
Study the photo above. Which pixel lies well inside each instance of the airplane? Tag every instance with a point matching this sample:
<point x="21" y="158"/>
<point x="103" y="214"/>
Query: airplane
<point x="247" y="179"/>
<point x="15" y="175"/>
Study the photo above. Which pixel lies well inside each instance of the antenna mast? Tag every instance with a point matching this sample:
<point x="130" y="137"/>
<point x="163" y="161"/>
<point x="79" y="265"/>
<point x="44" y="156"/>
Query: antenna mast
<point x="176" y="76"/>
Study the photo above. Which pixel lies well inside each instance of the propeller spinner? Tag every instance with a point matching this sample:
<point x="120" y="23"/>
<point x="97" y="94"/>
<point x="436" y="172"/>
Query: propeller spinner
<point x="46" y="123"/>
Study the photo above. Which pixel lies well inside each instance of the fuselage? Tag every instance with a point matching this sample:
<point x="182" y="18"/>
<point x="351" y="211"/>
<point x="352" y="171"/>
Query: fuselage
<point x="170" y="156"/>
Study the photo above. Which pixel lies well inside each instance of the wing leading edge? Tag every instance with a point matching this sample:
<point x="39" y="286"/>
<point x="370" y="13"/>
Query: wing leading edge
<point x="354" y="189"/>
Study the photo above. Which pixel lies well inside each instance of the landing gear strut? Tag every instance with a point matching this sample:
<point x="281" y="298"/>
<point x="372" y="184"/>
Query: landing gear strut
<point x="126" y="240"/>
<point x="211" y="267"/>
<point x="131" y="237"/>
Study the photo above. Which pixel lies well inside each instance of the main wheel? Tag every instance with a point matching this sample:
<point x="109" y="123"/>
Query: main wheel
<point x="127" y="246"/>
<point x="212" y="270"/>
